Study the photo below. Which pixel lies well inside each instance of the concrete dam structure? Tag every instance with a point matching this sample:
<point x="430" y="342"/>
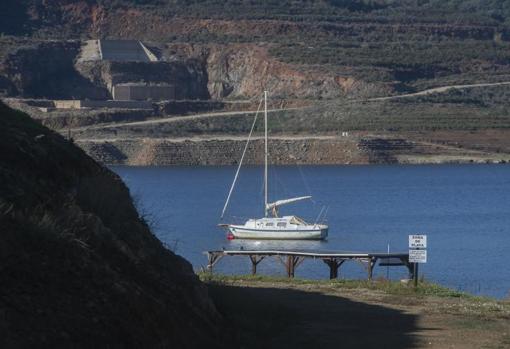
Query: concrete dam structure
<point x="125" y="51"/>
<point x="133" y="53"/>
<point x="116" y="51"/>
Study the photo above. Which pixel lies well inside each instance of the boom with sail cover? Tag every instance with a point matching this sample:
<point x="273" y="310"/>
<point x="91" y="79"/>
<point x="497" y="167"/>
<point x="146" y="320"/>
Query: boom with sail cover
<point x="285" y="201"/>
<point x="274" y="205"/>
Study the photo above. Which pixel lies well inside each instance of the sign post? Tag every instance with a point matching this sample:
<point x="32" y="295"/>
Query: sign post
<point x="417" y="253"/>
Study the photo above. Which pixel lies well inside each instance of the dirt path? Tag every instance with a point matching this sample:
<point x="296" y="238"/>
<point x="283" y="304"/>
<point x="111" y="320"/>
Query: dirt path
<point x="251" y="112"/>
<point x="176" y="119"/>
<point x="439" y="90"/>
<point x="212" y="138"/>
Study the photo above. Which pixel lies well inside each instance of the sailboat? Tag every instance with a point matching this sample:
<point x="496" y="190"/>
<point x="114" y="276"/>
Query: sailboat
<point x="271" y="226"/>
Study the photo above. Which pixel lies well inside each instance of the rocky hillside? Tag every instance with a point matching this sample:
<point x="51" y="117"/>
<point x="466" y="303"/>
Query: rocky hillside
<point x="298" y="49"/>
<point x="344" y="64"/>
<point x="79" y="265"/>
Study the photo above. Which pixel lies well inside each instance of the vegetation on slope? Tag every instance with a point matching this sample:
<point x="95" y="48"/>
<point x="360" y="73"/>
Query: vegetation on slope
<point x="79" y="267"/>
<point x="410" y="44"/>
<point x="478" y="11"/>
<point x="482" y="108"/>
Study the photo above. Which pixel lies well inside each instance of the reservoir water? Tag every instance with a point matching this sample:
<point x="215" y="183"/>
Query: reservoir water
<point x="463" y="209"/>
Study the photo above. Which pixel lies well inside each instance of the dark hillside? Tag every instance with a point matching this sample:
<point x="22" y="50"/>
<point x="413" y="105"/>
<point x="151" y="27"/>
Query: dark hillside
<point x="78" y="266"/>
<point x="14" y="17"/>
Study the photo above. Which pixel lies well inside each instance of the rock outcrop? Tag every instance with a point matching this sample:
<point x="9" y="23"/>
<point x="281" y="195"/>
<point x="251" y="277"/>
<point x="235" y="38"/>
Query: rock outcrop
<point x="53" y="70"/>
<point x="242" y="71"/>
<point x="79" y="265"/>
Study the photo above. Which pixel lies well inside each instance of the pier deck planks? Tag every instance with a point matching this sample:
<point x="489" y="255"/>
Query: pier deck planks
<point x="292" y="259"/>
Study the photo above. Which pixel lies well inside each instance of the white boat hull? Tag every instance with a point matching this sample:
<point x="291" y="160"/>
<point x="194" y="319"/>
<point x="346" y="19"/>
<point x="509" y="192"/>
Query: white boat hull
<point x="239" y="232"/>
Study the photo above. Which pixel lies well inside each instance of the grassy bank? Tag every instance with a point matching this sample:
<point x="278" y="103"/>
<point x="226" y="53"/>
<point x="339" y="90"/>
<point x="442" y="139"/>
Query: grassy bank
<point x="279" y="312"/>
<point x="425" y="288"/>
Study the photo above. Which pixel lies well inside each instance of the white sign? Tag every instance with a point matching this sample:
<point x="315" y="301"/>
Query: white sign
<point x="417" y="241"/>
<point x="418" y="256"/>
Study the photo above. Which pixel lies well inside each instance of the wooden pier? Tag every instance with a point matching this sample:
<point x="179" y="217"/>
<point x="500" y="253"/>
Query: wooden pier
<point x="334" y="260"/>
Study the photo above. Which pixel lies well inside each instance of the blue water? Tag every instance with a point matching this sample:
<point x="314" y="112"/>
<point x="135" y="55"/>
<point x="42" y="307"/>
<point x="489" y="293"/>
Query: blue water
<point x="464" y="210"/>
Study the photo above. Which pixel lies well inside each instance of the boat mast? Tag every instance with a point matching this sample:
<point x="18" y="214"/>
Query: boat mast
<point x="265" y="153"/>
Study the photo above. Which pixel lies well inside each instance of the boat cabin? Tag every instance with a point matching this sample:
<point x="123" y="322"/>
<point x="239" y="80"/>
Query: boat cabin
<point x="276" y="222"/>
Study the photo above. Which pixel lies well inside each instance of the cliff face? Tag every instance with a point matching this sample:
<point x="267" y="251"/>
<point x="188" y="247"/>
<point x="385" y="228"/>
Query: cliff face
<point x="79" y="266"/>
<point x="243" y="70"/>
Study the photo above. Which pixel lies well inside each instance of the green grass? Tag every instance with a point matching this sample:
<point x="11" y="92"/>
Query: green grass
<point x="425" y="288"/>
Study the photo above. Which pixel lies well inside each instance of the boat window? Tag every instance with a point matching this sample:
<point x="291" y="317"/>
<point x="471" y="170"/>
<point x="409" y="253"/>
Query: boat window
<point x="282" y="224"/>
<point x="269" y="224"/>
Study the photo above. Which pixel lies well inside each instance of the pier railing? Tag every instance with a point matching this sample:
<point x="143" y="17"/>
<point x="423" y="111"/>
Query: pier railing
<point x="334" y="260"/>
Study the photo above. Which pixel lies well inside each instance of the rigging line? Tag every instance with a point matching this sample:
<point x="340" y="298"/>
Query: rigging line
<point x="305" y="182"/>
<point x="241" y="161"/>
<point x="318" y="216"/>
<point x="325" y="214"/>
<point x="283" y="191"/>
<point x="278" y="120"/>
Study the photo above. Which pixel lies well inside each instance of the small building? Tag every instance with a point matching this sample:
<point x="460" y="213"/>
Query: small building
<point x="87" y="104"/>
<point x="143" y="92"/>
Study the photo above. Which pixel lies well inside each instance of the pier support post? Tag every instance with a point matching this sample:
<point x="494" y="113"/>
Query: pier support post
<point x="334" y="264"/>
<point x="370" y="267"/>
<point x="333" y="270"/>
<point x="212" y="258"/>
<point x="255" y="260"/>
<point x="291" y="264"/>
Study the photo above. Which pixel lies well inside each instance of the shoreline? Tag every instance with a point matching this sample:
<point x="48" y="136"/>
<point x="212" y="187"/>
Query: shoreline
<point x="311" y="165"/>
<point x="395" y="287"/>
<point x="402" y="287"/>
<point x="338" y="151"/>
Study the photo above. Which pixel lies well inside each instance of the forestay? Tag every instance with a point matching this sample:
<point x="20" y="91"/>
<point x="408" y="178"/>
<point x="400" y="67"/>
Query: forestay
<point x="241" y="161"/>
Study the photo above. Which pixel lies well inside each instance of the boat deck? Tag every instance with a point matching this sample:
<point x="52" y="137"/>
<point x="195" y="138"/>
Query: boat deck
<point x="334" y="259"/>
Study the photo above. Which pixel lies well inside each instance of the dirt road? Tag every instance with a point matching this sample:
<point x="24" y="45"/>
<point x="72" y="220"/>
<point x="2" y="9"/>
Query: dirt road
<point x="329" y="315"/>
<point x="174" y="119"/>
<point x="439" y="90"/>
